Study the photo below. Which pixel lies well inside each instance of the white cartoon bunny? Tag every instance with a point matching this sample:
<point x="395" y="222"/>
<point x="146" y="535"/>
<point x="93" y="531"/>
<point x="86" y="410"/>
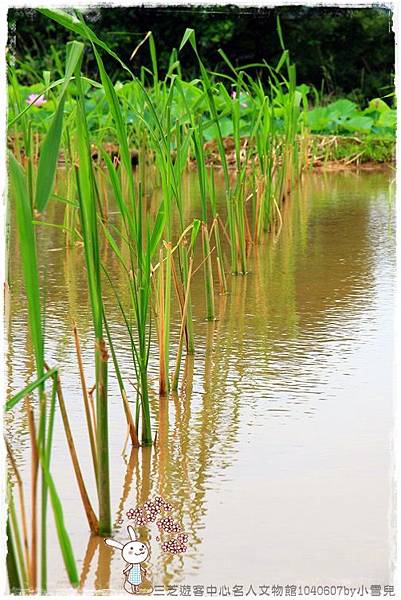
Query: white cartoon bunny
<point x="134" y="553"/>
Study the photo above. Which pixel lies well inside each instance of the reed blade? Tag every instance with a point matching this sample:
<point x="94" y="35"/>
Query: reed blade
<point x="50" y="147"/>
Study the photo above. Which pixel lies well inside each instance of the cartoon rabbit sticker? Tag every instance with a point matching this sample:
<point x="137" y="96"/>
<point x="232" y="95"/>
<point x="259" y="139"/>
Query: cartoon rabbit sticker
<point x="134" y="553"/>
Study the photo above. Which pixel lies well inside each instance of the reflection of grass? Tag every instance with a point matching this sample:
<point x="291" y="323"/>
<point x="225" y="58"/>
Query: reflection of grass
<point x="189" y="451"/>
<point x="21" y="556"/>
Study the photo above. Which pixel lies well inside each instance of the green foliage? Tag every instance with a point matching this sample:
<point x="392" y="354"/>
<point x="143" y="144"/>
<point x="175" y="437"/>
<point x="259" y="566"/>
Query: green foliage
<point x="344" y="117"/>
<point x="29" y="257"/>
<point x="51" y="143"/>
<point x="339" y="117"/>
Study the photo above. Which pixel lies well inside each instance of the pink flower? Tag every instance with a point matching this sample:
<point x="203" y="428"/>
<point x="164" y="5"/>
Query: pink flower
<point x="36" y="99"/>
<point x="233" y="94"/>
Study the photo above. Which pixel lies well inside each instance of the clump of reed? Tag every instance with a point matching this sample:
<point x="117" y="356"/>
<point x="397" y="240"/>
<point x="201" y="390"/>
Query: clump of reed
<point x="159" y="247"/>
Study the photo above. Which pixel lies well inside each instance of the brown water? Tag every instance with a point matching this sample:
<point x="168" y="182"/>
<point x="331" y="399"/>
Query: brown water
<point x="277" y="453"/>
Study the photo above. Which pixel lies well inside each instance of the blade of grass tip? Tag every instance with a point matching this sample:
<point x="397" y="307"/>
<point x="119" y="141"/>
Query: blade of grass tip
<point x="280" y="33"/>
<point x="50" y="147"/>
<point x="139" y="45"/>
<point x="78" y="26"/>
<point x="153" y="57"/>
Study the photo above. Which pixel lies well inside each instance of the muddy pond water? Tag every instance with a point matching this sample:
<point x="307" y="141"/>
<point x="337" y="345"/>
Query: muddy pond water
<point x="276" y="453"/>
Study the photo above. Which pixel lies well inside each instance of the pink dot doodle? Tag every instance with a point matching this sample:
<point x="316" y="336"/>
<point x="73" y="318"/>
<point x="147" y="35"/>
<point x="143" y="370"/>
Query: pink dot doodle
<point x="169" y="525"/>
<point x="176" y="545"/>
<point x="159" y="502"/>
<point x="149" y="511"/>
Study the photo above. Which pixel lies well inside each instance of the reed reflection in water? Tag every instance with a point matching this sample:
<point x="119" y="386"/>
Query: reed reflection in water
<point x="275" y="452"/>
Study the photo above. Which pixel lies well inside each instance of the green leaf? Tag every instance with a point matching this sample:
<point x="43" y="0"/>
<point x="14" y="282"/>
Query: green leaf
<point x="280" y="33"/>
<point x="73" y="24"/>
<point x="28" y="255"/>
<point x="341" y="108"/>
<point x="157" y="230"/>
<point x="188" y="35"/>
<point x="388" y="119"/>
<point x="317" y="119"/>
<point x="29" y="389"/>
<point x="87" y="211"/>
<point x="283" y="59"/>
<point x="119" y="121"/>
<point x="51" y="144"/>
<point x="153" y="56"/>
<point x="358" y="124"/>
<point x="379" y="105"/>
<point x="194" y="233"/>
<point x="46" y="78"/>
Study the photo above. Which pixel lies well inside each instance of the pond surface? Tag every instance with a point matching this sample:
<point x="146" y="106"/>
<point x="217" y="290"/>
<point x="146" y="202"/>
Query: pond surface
<point x="276" y="454"/>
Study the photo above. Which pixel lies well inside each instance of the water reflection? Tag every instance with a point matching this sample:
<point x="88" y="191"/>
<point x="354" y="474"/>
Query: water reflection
<point x="278" y="407"/>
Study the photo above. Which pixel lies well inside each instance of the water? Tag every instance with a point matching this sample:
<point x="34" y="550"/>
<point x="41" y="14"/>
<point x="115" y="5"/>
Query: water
<point x="276" y="454"/>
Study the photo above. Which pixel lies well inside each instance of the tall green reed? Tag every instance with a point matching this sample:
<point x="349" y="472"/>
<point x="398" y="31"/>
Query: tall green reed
<point x="88" y="218"/>
<point x="167" y="121"/>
